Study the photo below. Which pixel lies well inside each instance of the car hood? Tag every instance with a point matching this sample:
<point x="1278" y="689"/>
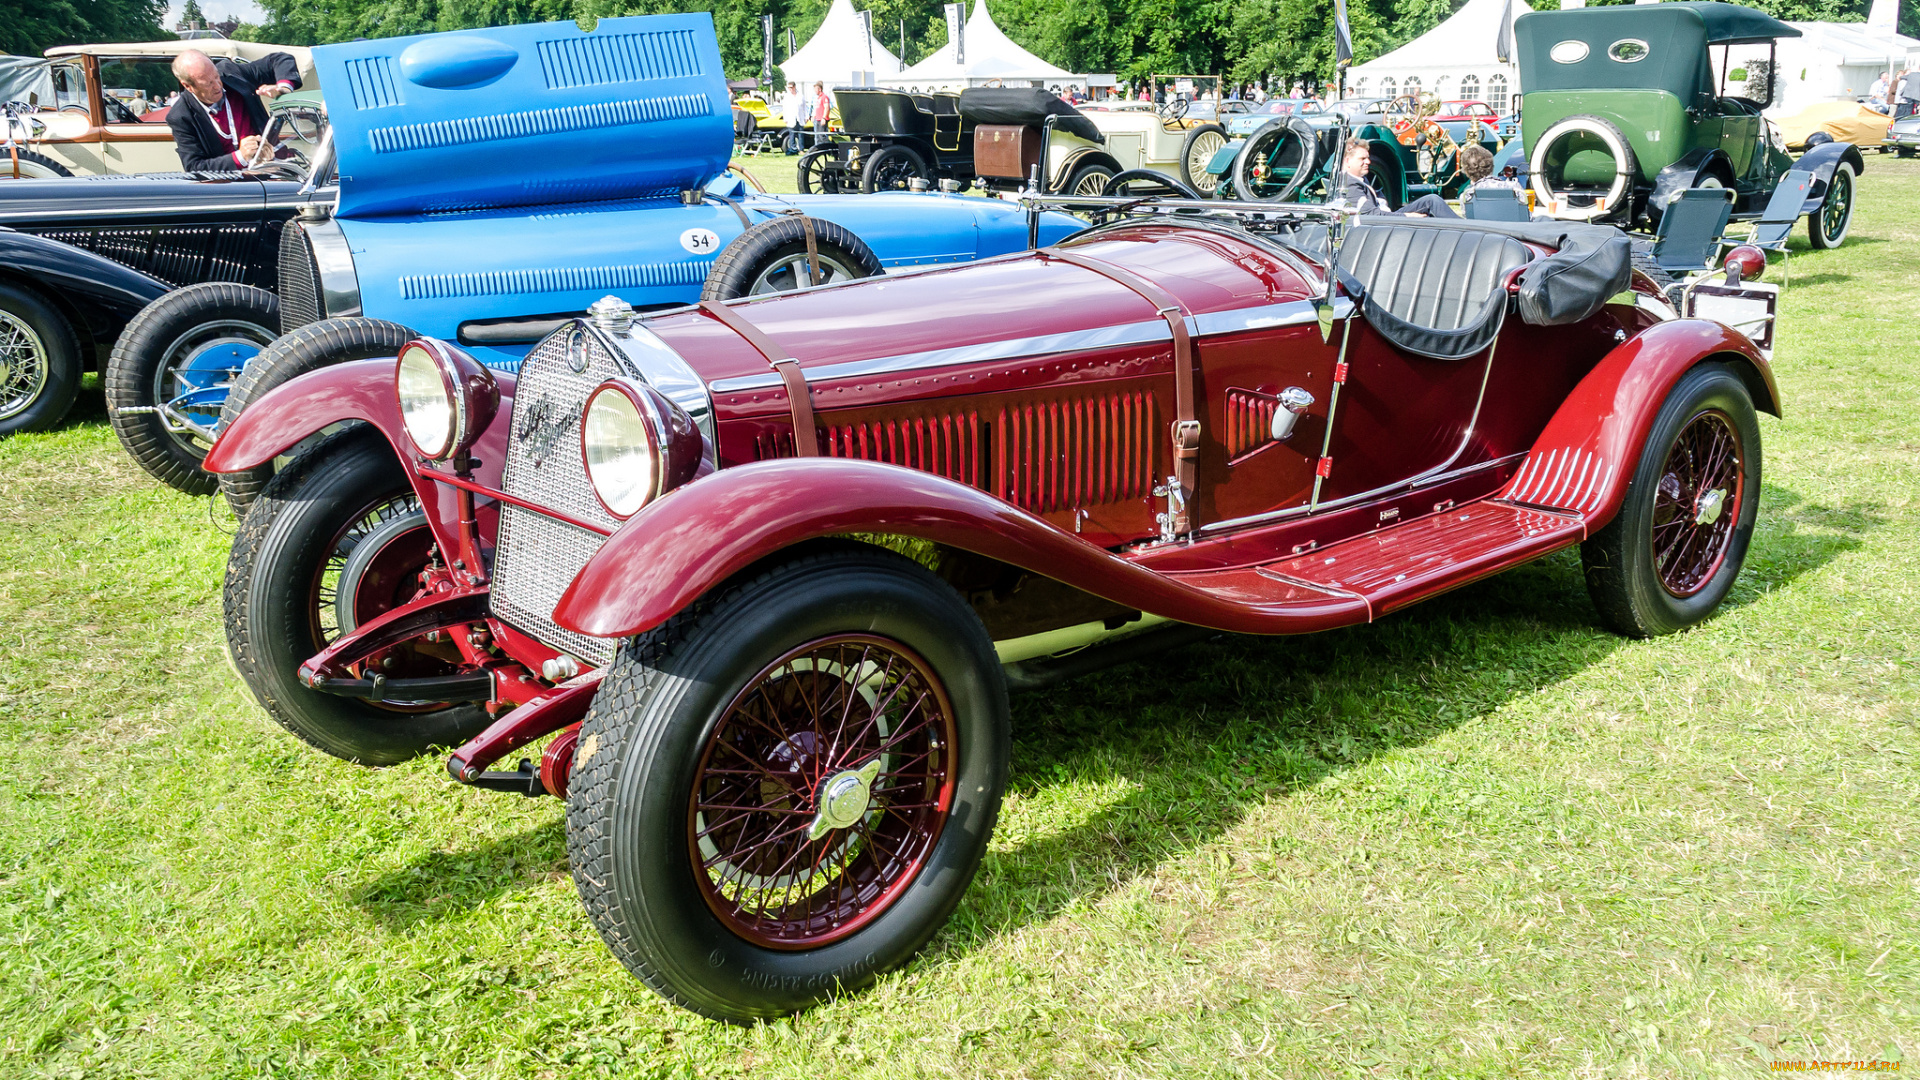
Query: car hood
<point x="527" y="115"/>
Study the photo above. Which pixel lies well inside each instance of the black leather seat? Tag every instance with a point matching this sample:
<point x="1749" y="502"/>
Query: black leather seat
<point x="1434" y="292"/>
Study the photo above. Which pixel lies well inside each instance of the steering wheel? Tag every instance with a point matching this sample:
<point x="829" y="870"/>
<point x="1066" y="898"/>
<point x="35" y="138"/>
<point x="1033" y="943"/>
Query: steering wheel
<point x="75" y="106"/>
<point x="1148" y="184"/>
<point x="1173" y="111"/>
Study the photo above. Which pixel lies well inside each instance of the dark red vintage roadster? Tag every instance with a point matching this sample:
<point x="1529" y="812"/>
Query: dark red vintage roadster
<point x="765" y="570"/>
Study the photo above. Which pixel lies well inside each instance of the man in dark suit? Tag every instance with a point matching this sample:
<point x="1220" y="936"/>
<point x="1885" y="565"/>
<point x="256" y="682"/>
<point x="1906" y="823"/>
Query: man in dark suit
<point x="217" y="123"/>
<point x="1362" y="194"/>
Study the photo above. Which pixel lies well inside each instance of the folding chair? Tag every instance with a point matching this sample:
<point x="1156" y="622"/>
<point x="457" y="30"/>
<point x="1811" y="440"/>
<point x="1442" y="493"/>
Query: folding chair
<point x="1688" y="241"/>
<point x="1776" y="222"/>
<point x="1493" y="204"/>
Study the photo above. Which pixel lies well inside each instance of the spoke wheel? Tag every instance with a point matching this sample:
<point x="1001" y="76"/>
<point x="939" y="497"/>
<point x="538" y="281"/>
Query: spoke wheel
<point x="1696" y="503"/>
<point x="1827" y="226"/>
<point x="23" y="365"/>
<point x="1670" y="555"/>
<point x="820" y="792"/>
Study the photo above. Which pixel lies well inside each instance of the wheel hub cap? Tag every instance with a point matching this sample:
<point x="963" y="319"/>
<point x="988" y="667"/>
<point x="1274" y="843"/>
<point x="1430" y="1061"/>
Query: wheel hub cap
<point x="845" y="798"/>
<point x="1707" y="510"/>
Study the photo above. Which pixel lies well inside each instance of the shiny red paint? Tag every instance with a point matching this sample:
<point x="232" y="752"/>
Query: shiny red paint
<point x="360" y="390"/>
<point x="556" y="763"/>
<point x="558" y="707"/>
<point x="1584" y="458"/>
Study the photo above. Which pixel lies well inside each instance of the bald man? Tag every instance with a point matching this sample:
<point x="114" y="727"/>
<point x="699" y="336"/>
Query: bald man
<point x="217" y="122"/>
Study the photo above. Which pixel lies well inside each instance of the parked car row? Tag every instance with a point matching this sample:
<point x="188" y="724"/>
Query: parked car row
<point x="549" y="437"/>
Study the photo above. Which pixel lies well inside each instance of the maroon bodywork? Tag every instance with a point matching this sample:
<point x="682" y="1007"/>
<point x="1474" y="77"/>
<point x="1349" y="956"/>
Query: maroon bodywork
<point x="1005" y="444"/>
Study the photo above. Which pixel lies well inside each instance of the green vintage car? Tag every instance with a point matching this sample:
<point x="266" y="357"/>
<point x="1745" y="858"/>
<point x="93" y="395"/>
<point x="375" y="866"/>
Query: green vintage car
<point x="1623" y="110"/>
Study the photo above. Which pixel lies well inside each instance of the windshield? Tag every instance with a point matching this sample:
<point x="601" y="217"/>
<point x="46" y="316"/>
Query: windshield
<point x="135" y="89"/>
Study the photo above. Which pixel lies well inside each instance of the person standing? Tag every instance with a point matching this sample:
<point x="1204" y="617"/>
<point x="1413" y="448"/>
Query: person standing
<point x="1909" y="94"/>
<point x="822" y="107"/>
<point x="792" y="104"/>
<point x="226" y="107"/>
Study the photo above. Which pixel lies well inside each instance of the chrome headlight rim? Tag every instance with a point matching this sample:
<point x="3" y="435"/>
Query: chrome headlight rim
<point x="468" y="391"/>
<point x="652" y="425"/>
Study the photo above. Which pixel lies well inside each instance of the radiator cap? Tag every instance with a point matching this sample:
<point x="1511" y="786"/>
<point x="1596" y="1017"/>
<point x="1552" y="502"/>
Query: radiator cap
<point x="612" y="314"/>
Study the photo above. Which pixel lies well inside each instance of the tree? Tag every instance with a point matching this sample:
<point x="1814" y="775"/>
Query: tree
<point x="38" y="25"/>
<point x="191" y="17"/>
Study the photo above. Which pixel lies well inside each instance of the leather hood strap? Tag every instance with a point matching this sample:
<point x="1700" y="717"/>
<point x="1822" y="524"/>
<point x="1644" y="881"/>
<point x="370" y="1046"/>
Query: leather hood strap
<point x="1186" y="422"/>
<point x="806" y="439"/>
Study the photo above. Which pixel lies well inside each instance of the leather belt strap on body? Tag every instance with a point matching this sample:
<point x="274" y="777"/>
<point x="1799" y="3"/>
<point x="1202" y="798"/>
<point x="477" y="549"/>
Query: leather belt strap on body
<point x="814" y="276"/>
<point x="806" y="440"/>
<point x="1186" y="422"/>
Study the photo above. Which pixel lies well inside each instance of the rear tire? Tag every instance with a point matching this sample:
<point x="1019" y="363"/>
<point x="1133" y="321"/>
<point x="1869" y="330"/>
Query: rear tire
<point x="1656" y="567"/>
<point x="152" y="352"/>
<point x="1089" y="179"/>
<point x="722" y="933"/>
<point x="811" y="174"/>
<point x="32" y="166"/>
<point x="39" y="363"/>
<point x="309" y="527"/>
<point x="1827" y="227"/>
<point x="310" y="348"/>
<point x="1196" y="150"/>
<point x="891" y="168"/>
<point x="771" y="257"/>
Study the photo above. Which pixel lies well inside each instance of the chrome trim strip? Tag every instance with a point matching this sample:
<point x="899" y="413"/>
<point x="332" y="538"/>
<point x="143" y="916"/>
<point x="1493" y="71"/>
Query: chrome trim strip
<point x="129" y="211"/>
<point x="339" y="285"/>
<point x="1265" y="317"/>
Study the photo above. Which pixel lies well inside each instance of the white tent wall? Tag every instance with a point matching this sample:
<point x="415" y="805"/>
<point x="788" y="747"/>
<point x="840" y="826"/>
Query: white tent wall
<point x="841" y="53"/>
<point x="991" y="58"/>
<point x="1829" y="62"/>
<point x="1453" y="60"/>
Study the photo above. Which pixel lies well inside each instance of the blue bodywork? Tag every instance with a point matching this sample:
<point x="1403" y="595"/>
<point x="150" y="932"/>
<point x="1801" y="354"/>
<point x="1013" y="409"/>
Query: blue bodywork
<point x="530" y="170"/>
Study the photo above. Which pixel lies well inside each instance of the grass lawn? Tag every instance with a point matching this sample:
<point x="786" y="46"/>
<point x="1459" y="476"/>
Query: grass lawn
<point x="1480" y="838"/>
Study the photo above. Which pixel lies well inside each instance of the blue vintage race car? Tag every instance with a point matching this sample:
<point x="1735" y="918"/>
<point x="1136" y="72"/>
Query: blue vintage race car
<point x="492" y="183"/>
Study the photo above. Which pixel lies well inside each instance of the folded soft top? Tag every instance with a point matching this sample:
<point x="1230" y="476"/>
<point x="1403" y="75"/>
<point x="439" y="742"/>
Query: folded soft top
<point x="1024" y="105"/>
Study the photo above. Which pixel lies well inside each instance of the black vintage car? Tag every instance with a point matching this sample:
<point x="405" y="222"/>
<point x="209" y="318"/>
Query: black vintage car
<point x="81" y="257"/>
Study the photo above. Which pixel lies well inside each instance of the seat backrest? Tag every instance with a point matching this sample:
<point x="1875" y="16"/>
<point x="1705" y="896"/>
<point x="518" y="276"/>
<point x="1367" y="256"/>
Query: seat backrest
<point x="1784" y="207"/>
<point x="1691" y="228"/>
<point x="1436" y="292"/>
<point x="1493" y="204"/>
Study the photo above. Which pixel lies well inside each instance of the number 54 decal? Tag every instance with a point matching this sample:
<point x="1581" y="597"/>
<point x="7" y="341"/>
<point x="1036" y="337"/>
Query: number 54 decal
<point x="701" y="241"/>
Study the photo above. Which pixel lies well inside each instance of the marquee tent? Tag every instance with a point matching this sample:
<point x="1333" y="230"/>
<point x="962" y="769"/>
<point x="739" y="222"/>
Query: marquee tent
<point x="1454" y="60"/>
<point x="1828" y="62"/>
<point x="988" y="56"/>
<point x="841" y="53"/>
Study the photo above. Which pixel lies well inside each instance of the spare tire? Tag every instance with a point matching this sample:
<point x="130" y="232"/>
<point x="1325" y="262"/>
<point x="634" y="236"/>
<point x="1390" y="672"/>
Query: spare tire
<point x="310" y="348"/>
<point x="771" y="257"/>
<point x="1568" y="142"/>
<point x="1276" y="161"/>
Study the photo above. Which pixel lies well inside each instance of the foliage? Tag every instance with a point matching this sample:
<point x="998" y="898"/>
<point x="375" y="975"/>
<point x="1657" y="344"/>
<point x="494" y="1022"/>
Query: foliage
<point x="192" y="16"/>
<point x="34" y="26"/>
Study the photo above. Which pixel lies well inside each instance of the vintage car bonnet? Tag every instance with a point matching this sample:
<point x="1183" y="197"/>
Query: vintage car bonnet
<point x="527" y="115"/>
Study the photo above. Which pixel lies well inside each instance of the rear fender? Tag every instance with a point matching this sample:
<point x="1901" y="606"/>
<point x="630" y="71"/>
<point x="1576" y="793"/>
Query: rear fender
<point x="673" y="552"/>
<point x="1685" y="173"/>
<point x="1821" y="161"/>
<point x="1585" y="457"/>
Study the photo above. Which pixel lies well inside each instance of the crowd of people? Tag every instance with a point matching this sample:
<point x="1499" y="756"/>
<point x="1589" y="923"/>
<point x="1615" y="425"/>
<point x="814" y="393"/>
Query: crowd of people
<point x="1896" y="95"/>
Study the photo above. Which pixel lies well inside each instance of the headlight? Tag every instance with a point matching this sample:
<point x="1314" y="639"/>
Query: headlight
<point x="446" y="397"/>
<point x="637" y="445"/>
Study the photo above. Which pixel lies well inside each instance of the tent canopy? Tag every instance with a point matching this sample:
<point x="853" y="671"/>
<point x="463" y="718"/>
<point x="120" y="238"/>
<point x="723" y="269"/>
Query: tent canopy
<point x="839" y="49"/>
<point x="1462" y="45"/>
<point x="26" y="78"/>
<point x="988" y="53"/>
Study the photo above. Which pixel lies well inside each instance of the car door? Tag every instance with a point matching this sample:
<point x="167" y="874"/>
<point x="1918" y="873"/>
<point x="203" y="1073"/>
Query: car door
<point x="133" y="103"/>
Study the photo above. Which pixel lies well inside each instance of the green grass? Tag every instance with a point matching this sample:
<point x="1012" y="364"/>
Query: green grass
<point x="1481" y="838"/>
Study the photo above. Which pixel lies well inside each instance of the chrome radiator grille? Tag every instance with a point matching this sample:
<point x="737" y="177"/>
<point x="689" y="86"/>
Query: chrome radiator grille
<point x="539" y="556"/>
<point x="299" y="280"/>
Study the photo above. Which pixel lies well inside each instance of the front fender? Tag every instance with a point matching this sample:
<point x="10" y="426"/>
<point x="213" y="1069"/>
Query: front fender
<point x="671" y="553"/>
<point x="1586" y="455"/>
<point x="360" y="390"/>
<point x="78" y="274"/>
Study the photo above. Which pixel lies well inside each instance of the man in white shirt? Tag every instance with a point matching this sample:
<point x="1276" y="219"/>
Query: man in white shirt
<point x="792" y="104"/>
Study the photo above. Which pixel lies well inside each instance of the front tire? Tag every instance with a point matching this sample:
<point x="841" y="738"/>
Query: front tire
<point x="1089" y="179"/>
<point x="891" y="168"/>
<point x="705" y="742"/>
<point x="192" y="338"/>
<point x="32" y="166"/>
<point x="310" y="348"/>
<point x="334" y="541"/>
<point x="39" y="363"/>
<point x="1668" y="558"/>
<point x="1196" y="151"/>
<point x="1827" y="227"/>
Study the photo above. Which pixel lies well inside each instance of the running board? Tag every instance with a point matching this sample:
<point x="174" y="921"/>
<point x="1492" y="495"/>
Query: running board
<point x="1371" y="575"/>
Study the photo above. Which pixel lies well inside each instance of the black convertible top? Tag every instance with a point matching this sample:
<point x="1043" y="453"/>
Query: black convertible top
<point x="1025" y="105"/>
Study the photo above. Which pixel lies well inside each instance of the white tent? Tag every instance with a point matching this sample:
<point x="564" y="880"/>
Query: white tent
<point x="1454" y="60"/>
<point x="840" y="53"/>
<point x="988" y="56"/>
<point x="1829" y="62"/>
